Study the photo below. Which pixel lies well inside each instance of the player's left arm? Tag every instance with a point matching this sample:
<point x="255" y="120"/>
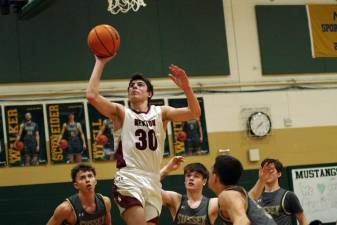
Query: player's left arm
<point x="213" y="209"/>
<point x="200" y="130"/>
<point x="18" y="137"/>
<point x="302" y="220"/>
<point x="37" y="137"/>
<point x="172" y="165"/>
<point x="107" y="203"/>
<point x="192" y="111"/>
<point x="292" y="205"/>
<point x="101" y="130"/>
<point x="82" y="135"/>
<point x="233" y="204"/>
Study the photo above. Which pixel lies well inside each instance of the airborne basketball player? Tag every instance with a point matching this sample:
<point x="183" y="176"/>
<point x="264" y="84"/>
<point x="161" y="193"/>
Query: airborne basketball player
<point x="136" y="186"/>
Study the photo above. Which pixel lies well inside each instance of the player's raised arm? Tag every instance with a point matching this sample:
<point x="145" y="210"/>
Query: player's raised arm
<point x="172" y="165"/>
<point x="192" y="111"/>
<point x="103" y="105"/>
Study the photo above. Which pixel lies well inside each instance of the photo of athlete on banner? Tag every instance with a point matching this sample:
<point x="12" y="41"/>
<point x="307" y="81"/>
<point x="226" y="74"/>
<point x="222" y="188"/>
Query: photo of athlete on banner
<point x="67" y="132"/>
<point x="104" y="139"/>
<point x="25" y="135"/>
<point x="2" y="143"/>
<point x="190" y="137"/>
<point x="161" y="102"/>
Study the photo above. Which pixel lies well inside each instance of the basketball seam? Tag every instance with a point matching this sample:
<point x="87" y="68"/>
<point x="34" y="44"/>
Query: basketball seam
<point x="100" y="41"/>
<point x="112" y="37"/>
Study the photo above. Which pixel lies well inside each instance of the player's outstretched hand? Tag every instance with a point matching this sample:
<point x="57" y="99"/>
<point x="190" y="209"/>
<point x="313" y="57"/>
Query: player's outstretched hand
<point x="265" y="172"/>
<point x="175" y="163"/>
<point x="179" y="77"/>
<point x="104" y="60"/>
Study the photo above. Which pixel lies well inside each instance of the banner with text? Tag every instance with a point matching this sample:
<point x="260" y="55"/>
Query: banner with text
<point x="189" y="137"/>
<point x="161" y="102"/>
<point x="103" y="149"/>
<point x="323" y="30"/>
<point x="25" y="135"/>
<point x="2" y="143"/>
<point x="67" y="132"/>
<point x="316" y="188"/>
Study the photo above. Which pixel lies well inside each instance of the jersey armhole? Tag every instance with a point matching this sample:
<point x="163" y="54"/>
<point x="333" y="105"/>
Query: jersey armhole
<point x="283" y="205"/>
<point x="181" y="202"/>
<point x="73" y="209"/>
<point x="208" y="210"/>
<point x="100" y="197"/>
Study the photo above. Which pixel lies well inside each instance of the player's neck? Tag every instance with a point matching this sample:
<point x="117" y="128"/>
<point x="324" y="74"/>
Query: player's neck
<point x="194" y="195"/>
<point x="271" y="187"/>
<point x="87" y="198"/>
<point x="139" y="106"/>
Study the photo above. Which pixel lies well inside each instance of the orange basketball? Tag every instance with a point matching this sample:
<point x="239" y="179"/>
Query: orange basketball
<point x="19" y="145"/>
<point x="103" y="40"/>
<point x="102" y="139"/>
<point x="63" y="144"/>
<point x="181" y="136"/>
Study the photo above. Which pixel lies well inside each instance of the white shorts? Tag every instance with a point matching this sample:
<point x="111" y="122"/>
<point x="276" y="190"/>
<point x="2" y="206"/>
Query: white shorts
<point x="146" y="188"/>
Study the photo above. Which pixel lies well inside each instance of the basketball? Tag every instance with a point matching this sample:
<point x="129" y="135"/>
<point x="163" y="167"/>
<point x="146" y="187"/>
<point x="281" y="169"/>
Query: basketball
<point x="181" y="136"/>
<point x="102" y="139"/>
<point x="19" y="145"/>
<point x="103" y="40"/>
<point x="63" y="144"/>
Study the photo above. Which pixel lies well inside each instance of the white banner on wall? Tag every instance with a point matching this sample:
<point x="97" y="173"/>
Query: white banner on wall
<point x="316" y="188"/>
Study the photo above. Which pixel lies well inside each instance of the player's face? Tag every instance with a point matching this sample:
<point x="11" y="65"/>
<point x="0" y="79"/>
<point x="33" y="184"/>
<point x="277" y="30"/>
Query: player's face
<point x="85" y="181"/>
<point x="272" y="175"/>
<point x="138" y="90"/>
<point x="28" y="116"/>
<point x="71" y="117"/>
<point x="194" y="181"/>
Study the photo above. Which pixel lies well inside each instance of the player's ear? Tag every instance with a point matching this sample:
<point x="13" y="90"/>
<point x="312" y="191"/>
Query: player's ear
<point x="75" y="185"/>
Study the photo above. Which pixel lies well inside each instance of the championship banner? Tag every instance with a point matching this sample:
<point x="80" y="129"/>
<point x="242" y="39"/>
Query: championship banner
<point x="2" y="143"/>
<point x="190" y="137"/>
<point x="103" y="137"/>
<point x="323" y="30"/>
<point x="161" y="102"/>
<point x="26" y="140"/>
<point x="316" y="189"/>
<point x="67" y="132"/>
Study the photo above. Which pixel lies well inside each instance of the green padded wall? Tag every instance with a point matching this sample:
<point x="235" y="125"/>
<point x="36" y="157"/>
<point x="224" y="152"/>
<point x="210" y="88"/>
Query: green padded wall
<point x="285" y="41"/>
<point x="51" y="46"/>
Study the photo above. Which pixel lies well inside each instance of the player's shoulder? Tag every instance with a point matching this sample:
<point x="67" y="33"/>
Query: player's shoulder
<point x="230" y="196"/>
<point x="289" y="195"/>
<point x="213" y="201"/>
<point x="65" y="209"/>
<point x="165" y="109"/>
<point x="103" y="197"/>
<point x="106" y="201"/>
<point x="213" y="205"/>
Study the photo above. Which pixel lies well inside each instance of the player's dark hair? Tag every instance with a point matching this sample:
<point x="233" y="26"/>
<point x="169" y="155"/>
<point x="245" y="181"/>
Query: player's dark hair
<point x="316" y="222"/>
<point x="139" y="76"/>
<point x="83" y="167"/>
<point x="228" y="169"/>
<point x="196" y="167"/>
<point x="278" y="165"/>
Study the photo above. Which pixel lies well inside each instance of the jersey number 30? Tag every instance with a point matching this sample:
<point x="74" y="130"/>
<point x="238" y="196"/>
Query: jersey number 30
<point x="146" y="140"/>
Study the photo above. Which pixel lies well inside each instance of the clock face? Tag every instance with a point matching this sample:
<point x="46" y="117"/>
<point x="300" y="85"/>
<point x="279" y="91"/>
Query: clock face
<point x="259" y="124"/>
